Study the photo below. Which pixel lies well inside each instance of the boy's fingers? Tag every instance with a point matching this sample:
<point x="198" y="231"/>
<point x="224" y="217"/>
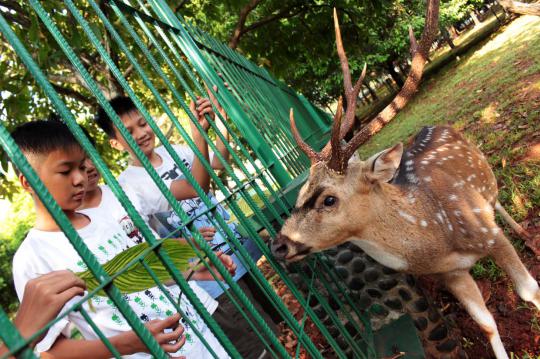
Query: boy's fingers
<point x="64" y="281"/>
<point x="70" y="293"/>
<point x="202" y="100"/>
<point x="169" y="321"/>
<point x="173" y="348"/>
<point x="172" y="336"/>
<point x="206" y="229"/>
<point x="204" y="107"/>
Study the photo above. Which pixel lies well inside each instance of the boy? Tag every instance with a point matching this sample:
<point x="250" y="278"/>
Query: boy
<point x="59" y="161"/>
<point x="136" y="178"/>
<point x="99" y="201"/>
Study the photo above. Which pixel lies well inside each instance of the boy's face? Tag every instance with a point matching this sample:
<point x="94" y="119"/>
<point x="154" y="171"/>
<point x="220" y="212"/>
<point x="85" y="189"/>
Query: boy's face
<point x="139" y="129"/>
<point x="93" y="175"/>
<point x="63" y="172"/>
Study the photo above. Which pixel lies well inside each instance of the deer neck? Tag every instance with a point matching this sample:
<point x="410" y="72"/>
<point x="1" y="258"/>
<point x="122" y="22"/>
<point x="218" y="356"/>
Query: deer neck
<point x="396" y="213"/>
<point x="396" y="221"/>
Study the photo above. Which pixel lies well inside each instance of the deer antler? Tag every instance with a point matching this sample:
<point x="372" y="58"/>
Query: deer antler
<point x="351" y="93"/>
<point x="419" y="53"/>
<point x="312" y="155"/>
<point x="337" y="156"/>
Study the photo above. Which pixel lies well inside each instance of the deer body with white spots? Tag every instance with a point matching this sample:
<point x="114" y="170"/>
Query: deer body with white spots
<point x="426" y="209"/>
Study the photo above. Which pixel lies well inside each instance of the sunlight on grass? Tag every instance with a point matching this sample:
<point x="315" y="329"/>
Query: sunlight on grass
<point x="490" y="114"/>
<point x="519" y="32"/>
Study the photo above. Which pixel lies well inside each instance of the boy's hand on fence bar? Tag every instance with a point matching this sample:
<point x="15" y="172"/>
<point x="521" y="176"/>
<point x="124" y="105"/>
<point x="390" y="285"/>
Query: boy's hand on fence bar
<point x="202" y="273"/>
<point x="43" y="299"/>
<point x="227" y="262"/>
<point x="213" y="99"/>
<point x="170" y="341"/>
<point x="208" y="233"/>
<point x="199" y="108"/>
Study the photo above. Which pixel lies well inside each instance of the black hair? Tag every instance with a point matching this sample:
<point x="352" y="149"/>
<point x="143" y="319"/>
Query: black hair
<point x="43" y="137"/>
<point x="53" y="116"/>
<point x="121" y="105"/>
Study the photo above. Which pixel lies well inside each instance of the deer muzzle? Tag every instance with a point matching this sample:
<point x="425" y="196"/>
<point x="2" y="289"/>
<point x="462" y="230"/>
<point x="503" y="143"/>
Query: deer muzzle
<point x="283" y="248"/>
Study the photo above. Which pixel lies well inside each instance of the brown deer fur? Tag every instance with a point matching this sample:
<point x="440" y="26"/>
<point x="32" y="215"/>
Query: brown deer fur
<point x="426" y="210"/>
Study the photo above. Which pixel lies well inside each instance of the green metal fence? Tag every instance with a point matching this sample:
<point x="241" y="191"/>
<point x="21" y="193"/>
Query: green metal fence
<point x="263" y="175"/>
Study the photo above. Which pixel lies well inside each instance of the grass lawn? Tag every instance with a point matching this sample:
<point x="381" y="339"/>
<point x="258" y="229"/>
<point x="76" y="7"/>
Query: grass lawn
<point x="492" y="94"/>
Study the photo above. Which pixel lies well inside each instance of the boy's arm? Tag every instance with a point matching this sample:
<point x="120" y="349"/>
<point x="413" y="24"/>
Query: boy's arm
<point x="182" y="189"/>
<point x="216" y="163"/>
<point x="126" y="343"/>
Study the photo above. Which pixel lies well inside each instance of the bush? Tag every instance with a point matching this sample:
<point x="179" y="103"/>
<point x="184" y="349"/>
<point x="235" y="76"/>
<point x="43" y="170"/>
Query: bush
<point x="8" y="297"/>
<point x="14" y="228"/>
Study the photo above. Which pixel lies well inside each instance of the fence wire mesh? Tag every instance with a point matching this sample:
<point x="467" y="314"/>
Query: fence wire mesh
<point x="175" y="62"/>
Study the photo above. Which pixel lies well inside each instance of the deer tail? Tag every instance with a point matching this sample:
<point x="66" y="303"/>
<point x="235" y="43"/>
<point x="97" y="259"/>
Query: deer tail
<point x="508" y="219"/>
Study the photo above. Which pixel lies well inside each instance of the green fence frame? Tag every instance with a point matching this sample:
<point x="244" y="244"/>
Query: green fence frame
<point x="258" y="107"/>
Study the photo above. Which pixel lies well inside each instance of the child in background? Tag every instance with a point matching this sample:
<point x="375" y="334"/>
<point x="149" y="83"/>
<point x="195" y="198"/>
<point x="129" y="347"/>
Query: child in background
<point x="100" y="201"/>
<point x="165" y="221"/>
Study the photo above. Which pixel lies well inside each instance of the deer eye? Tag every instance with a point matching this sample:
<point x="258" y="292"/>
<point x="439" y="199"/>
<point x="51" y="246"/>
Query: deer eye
<point x="330" y="201"/>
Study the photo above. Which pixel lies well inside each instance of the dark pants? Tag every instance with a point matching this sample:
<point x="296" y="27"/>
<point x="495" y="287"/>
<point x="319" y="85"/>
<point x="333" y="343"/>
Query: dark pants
<point x="235" y="325"/>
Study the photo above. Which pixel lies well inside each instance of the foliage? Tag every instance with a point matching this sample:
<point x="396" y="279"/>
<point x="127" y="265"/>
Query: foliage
<point x="453" y="11"/>
<point x="282" y="36"/>
<point x="136" y="278"/>
<point x="299" y="46"/>
<point x="8" y="298"/>
<point x="13" y="228"/>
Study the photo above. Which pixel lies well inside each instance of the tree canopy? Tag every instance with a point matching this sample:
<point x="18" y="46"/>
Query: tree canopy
<point x="293" y="39"/>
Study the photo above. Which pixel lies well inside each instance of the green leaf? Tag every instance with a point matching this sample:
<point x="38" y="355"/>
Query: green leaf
<point x="136" y="278"/>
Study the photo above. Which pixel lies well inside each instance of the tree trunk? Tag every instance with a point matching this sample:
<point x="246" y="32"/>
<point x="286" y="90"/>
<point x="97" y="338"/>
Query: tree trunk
<point x="388" y="85"/>
<point x="453" y="32"/>
<point x="491" y="8"/>
<point x="521" y="7"/>
<point x="394" y="74"/>
<point x="371" y="91"/>
<point x="364" y="98"/>
<point x="239" y="28"/>
<point x="447" y="38"/>
<point x="475" y="18"/>
<point x="403" y="69"/>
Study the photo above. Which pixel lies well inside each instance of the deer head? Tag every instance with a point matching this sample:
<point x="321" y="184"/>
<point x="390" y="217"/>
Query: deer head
<point x="337" y="188"/>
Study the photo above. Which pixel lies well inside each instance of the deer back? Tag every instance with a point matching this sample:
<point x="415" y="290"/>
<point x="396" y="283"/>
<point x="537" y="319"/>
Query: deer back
<point x="442" y="168"/>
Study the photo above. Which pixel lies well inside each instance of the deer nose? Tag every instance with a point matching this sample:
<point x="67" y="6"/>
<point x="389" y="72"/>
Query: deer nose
<point x="280" y="246"/>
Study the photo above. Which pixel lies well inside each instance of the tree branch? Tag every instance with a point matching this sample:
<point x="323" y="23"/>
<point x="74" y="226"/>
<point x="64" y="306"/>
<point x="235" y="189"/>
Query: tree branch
<point x="74" y="94"/>
<point x="521" y="7"/>
<point x="237" y="32"/>
<point x="282" y="14"/>
<point x="18" y="13"/>
<point x="114" y="87"/>
<point x="180" y="5"/>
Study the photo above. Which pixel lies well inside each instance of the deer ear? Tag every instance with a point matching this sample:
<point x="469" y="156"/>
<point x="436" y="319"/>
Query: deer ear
<point x="384" y="165"/>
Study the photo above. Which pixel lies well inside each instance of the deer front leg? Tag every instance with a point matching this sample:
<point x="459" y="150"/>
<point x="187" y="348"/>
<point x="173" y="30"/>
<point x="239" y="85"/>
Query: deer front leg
<point x="464" y="288"/>
<point x="504" y="254"/>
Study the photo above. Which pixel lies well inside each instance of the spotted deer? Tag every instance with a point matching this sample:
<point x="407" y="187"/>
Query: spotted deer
<point x="425" y="209"/>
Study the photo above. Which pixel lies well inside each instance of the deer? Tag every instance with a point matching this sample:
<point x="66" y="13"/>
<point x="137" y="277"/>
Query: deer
<point x="427" y="208"/>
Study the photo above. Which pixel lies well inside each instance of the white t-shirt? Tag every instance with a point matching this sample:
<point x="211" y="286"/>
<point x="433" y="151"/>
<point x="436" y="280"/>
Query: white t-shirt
<point x="111" y="207"/>
<point x="155" y="206"/>
<point x="42" y="252"/>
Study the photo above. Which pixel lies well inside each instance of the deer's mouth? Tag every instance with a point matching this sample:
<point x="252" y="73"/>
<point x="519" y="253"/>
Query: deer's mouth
<point x="303" y="253"/>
